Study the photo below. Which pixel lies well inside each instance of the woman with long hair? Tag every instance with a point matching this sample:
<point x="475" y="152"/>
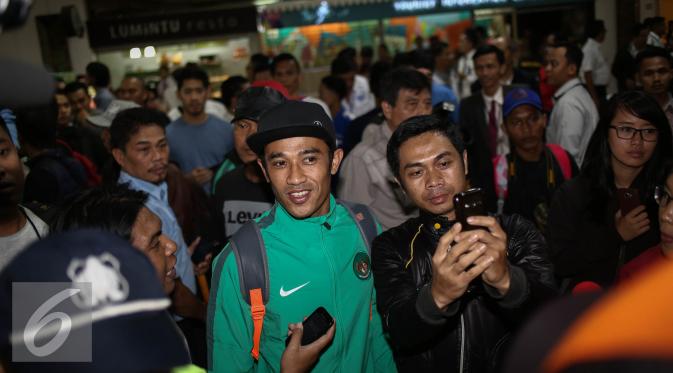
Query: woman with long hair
<point x="607" y="215"/>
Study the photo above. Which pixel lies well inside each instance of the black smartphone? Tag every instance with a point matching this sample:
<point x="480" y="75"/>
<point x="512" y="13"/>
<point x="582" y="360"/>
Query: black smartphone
<point x="204" y="248"/>
<point x="315" y="326"/>
<point x="628" y="199"/>
<point x="469" y="203"/>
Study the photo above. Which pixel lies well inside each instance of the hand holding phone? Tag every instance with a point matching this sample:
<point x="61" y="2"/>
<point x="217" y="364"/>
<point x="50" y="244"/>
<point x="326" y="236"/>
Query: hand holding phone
<point x="315" y="326"/>
<point x="299" y="358"/>
<point x="628" y="199"/>
<point x="469" y="203"/>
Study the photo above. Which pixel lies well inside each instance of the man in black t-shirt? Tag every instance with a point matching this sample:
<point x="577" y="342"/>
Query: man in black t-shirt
<point x="243" y="193"/>
<point x="527" y="177"/>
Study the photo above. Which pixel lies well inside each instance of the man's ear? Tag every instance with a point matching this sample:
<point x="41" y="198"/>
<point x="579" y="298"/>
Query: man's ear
<point x="572" y="70"/>
<point x="465" y="161"/>
<point x="119" y="157"/>
<point x="387" y="110"/>
<point x="261" y="165"/>
<point x="337" y="157"/>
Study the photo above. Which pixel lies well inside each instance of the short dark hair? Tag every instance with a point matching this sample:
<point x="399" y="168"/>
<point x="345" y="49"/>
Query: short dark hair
<point x="652" y="52"/>
<point x="348" y="52"/>
<point x="191" y="72"/>
<point x="594" y="28"/>
<point x="232" y="87"/>
<point x="111" y="208"/>
<point x="637" y="29"/>
<point x="402" y="78"/>
<point x="416" y="126"/>
<point x="367" y="51"/>
<point x="437" y="48"/>
<point x="656" y="21"/>
<point x="100" y="74"/>
<point x="259" y="62"/>
<point x="75" y="86"/>
<point x="284" y="57"/>
<point x="343" y="65"/>
<point x="376" y="73"/>
<point x="128" y="122"/>
<point x="573" y="53"/>
<point x="488" y="49"/>
<point x="472" y="36"/>
<point x="336" y="85"/>
<point x="422" y="60"/>
<point x="38" y="125"/>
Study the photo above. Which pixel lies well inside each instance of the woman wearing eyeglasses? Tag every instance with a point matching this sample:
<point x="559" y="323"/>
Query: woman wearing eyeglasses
<point x="663" y="195"/>
<point x="591" y="234"/>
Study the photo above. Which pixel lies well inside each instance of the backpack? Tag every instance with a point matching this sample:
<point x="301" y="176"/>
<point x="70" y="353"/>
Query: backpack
<point x="250" y="252"/>
<point x="501" y="171"/>
<point x="93" y="178"/>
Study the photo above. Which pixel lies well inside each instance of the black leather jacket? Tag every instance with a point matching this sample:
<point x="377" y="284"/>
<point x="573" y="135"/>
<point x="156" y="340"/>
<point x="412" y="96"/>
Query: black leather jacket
<point x="473" y="333"/>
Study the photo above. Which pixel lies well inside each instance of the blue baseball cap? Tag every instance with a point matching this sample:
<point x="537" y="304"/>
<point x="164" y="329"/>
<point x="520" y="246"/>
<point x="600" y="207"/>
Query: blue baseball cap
<point x="520" y="96"/>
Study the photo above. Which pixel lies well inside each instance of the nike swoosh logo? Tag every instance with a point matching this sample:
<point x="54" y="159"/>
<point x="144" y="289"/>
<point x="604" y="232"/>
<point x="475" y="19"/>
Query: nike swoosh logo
<point x="284" y="293"/>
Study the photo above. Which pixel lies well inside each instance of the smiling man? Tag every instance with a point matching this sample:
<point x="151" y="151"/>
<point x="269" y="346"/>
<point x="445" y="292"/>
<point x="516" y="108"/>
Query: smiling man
<point x="449" y="297"/>
<point x="315" y="255"/>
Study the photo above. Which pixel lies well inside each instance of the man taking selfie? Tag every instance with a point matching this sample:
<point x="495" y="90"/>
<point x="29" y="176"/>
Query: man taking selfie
<point x="449" y="296"/>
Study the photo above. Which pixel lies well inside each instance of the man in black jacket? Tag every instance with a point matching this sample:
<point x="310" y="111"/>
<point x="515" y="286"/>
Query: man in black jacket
<point x="450" y="298"/>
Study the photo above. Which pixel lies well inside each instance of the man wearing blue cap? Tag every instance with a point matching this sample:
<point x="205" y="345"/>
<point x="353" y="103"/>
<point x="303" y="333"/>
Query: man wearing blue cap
<point x="527" y="177"/>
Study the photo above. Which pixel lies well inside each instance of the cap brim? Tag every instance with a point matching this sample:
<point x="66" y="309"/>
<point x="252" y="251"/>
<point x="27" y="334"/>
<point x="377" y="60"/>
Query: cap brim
<point x="259" y="140"/>
<point x="99" y="121"/>
<point x="531" y="103"/>
<point x="145" y="342"/>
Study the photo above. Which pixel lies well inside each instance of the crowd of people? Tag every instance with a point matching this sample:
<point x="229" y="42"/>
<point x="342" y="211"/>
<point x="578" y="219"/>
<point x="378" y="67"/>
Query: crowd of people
<point x="210" y="229"/>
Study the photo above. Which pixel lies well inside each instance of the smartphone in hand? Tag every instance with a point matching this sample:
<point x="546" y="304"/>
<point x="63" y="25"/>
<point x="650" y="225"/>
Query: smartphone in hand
<point x="628" y="199"/>
<point x="469" y="203"/>
<point x="315" y="326"/>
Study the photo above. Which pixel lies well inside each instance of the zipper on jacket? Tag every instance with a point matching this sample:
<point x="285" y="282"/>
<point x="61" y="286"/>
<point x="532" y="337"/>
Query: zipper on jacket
<point x="334" y="282"/>
<point x="462" y="342"/>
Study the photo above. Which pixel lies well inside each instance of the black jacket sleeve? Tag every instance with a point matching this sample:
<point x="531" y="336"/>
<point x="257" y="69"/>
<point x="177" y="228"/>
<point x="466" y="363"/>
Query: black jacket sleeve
<point x="409" y="313"/>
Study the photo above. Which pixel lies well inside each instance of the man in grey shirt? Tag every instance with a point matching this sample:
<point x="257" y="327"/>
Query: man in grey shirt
<point x="365" y="176"/>
<point x="18" y="226"/>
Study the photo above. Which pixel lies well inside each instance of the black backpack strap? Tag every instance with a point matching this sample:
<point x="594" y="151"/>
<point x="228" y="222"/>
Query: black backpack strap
<point x="253" y="269"/>
<point x="364" y="219"/>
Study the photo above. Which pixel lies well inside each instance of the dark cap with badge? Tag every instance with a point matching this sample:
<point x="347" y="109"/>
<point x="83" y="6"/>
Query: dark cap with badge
<point x="254" y="101"/>
<point x="292" y="119"/>
<point x="123" y="310"/>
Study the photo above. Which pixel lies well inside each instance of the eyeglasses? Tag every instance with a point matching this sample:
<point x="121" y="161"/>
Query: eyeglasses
<point x="661" y="196"/>
<point x="627" y="133"/>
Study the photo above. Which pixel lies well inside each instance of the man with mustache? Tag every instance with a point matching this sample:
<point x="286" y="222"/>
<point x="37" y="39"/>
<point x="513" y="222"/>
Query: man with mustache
<point x="315" y="254"/>
<point x="450" y="297"/>
<point x="655" y="74"/>
<point x="140" y="148"/>
<point x="527" y="177"/>
<point x="18" y="226"/>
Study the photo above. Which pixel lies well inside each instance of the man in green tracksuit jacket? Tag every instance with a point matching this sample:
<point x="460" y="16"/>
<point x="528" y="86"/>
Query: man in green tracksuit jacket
<point x="316" y="257"/>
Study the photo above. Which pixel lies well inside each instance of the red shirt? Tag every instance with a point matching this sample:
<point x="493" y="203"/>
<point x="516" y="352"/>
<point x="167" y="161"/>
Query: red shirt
<point x="643" y="261"/>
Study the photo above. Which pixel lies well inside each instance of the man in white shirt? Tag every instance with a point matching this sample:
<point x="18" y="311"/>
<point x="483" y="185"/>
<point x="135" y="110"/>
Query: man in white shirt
<point x="657" y="26"/>
<point x="465" y="74"/>
<point x="359" y="100"/>
<point x="365" y="176"/>
<point x="574" y="116"/>
<point x="654" y="73"/>
<point x="19" y="227"/>
<point x="595" y="71"/>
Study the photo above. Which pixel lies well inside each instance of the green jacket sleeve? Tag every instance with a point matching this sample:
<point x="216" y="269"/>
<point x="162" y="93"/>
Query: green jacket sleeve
<point x="383" y="355"/>
<point x="229" y="333"/>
